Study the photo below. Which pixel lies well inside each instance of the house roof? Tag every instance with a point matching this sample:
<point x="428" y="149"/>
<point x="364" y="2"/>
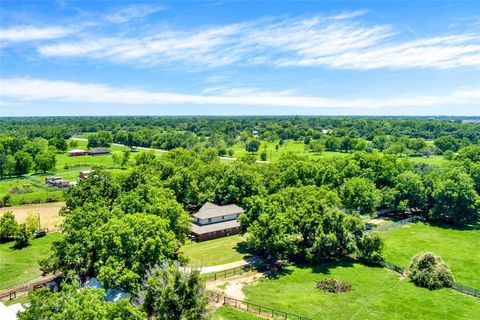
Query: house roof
<point x="202" y="229"/>
<point x="99" y="150"/>
<point x="76" y="151"/>
<point x="211" y="210"/>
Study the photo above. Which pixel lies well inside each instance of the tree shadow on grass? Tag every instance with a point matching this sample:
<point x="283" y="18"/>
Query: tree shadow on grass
<point x="470" y="227"/>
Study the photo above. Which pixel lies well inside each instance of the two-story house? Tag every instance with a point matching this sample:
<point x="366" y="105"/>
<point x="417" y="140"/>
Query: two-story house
<point x="213" y="221"/>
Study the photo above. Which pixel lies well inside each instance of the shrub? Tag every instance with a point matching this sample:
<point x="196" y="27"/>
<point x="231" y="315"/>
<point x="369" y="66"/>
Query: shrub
<point x="370" y="247"/>
<point x="51" y="198"/>
<point x="429" y="271"/>
<point x="22" y="237"/>
<point x="333" y="285"/>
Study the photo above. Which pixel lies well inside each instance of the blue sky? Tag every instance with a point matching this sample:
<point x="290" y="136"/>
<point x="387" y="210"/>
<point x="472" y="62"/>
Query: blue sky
<point x="239" y="58"/>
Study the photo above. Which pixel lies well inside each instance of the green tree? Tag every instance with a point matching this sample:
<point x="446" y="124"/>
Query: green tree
<point x="455" y="200"/>
<point x="447" y="143"/>
<point x="360" y="195"/>
<point x="32" y="222"/>
<point x="23" y="163"/>
<point x="371" y="246"/>
<point x="45" y="160"/>
<point x="22" y="236"/>
<point x="9" y="164"/>
<point x="263" y="155"/>
<point x="410" y="188"/>
<point x="252" y="146"/>
<point x="72" y="302"/>
<point x="175" y="293"/>
<point x="8" y="226"/>
<point x="332" y="144"/>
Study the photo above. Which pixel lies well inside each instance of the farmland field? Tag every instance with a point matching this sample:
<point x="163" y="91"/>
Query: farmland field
<point x="215" y="252"/>
<point x="459" y="248"/>
<point x="19" y="266"/>
<point x="48" y="212"/>
<point x="377" y="294"/>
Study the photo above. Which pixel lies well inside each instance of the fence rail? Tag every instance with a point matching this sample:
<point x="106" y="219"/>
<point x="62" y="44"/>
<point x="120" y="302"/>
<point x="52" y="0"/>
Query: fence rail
<point x="467" y="290"/>
<point x="395" y="224"/>
<point x="12" y="292"/>
<point x="258" y="309"/>
<point x="455" y="286"/>
<point x="226" y="273"/>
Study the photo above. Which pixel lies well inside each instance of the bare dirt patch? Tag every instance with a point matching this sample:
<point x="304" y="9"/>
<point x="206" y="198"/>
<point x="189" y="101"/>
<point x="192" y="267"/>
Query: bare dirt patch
<point x="232" y="287"/>
<point x="49" y="217"/>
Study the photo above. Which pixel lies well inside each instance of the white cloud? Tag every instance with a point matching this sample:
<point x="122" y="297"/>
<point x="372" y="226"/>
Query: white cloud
<point x="133" y="12"/>
<point x="24" y="89"/>
<point x="339" y="41"/>
<point x="30" y="33"/>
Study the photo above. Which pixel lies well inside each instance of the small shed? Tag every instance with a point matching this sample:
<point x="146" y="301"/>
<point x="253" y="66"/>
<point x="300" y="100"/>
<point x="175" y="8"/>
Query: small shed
<point x="51" y="181"/>
<point x="84" y="174"/>
<point x="77" y="153"/>
<point x="62" y="184"/>
<point x="99" y="151"/>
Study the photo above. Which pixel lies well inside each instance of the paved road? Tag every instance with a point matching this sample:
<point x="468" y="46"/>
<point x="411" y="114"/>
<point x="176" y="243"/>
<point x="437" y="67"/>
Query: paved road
<point x="161" y="150"/>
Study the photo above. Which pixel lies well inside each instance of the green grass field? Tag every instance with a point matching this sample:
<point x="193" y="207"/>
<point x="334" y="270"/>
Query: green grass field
<point x="215" y="252"/>
<point x="19" y="266"/>
<point x="459" y="248"/>
<point x="226" y="313"/>
<point x="377" y="294"/>
<point x="24" y="190"/>
<point x="290" y="146"/>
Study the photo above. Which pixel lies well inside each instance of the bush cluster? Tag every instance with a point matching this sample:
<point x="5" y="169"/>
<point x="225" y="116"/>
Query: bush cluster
<point x="333" y="285"/>
<point x="429" y="271"/>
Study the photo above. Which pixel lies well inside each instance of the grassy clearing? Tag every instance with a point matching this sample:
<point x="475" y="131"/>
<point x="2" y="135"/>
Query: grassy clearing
<point x="433" y="160"/>
<point x="215" y="252"/>
<point x="377" y="294"/>
<point x="290" y="146"/>
<point x="459" y="248"/>
<point x="23" y="190"/>
<point x="226" y="313"/>
<point x="19" y="266"/>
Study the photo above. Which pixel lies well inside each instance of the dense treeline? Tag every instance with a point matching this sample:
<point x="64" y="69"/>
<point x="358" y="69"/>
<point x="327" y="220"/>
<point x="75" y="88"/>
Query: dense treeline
<point x="172" y="132"/>
<point x="19" y="155"/>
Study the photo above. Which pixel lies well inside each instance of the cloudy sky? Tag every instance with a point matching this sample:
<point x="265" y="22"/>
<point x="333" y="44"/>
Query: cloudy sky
<point x="239" y="58"/>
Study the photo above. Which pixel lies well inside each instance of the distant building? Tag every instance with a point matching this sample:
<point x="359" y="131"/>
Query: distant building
<point x="62" y="184"/>
<point x="99" y="152"/>
<point x="471" y="121"/>
<point x="52" y="181"/>
<point x="77" y="153"/>
<point x="84" y="174"/>
<point x="213" y="221"/>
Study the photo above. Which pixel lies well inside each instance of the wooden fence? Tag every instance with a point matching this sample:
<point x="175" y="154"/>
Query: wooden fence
<point x="12" y="292"/>
<point x="226" y="273"/>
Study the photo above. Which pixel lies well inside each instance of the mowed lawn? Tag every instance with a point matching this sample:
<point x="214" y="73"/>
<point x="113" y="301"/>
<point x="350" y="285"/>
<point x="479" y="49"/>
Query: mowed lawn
<point x="459" y="248"/>
<point x="19" y="266"/>
<point x="377" y="294"/>
<point x="226" y="313"/>
<point x="215" y="252"/>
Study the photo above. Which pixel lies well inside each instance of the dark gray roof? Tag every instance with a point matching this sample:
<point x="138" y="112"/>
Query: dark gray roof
<point x="211" y="210"/>
<point x="99" y="150"/>
<point x="207" y="228"/>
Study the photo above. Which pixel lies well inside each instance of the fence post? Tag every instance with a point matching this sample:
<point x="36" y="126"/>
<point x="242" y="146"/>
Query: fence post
<point x="259" y="309"/>
<point x="225" y="273"/>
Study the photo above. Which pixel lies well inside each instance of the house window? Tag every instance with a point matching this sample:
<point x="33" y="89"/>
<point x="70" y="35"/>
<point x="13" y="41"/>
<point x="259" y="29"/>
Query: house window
<point x="209" y="219"/>
<point x="223" y="217"/>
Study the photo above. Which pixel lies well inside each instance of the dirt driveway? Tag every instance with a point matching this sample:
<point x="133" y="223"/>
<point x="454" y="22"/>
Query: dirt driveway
<point x="49" y="217"/>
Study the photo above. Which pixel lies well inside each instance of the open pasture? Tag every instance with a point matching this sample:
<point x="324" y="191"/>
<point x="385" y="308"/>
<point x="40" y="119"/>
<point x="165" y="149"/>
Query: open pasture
<point x="377" y="294"/>
<point x="459" y="248"/>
